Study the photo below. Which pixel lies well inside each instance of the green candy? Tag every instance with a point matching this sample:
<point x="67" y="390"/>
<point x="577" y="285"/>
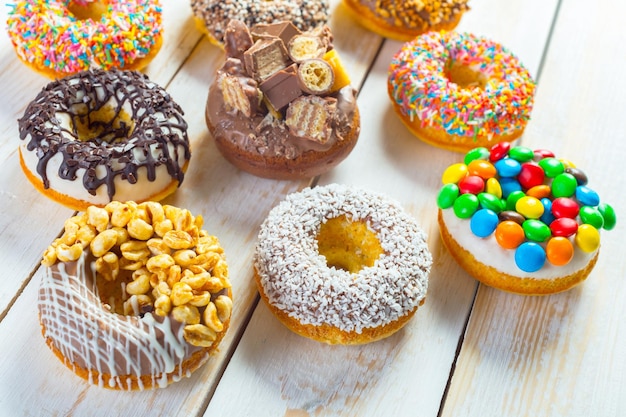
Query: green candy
<point x="447" y="195"/>
<point x="511" y="200"/>
<point x="564" y="185"/>
<point x="465" y="206"/>
<point x="552" y="167"/>
<point x="521" y="153"/>
<point x="536" y="230"/>
<point x="491" y="202"/>
<point x="476" y="153"/>
<point x="591" y="215"/>
<point x="608" y="214"/>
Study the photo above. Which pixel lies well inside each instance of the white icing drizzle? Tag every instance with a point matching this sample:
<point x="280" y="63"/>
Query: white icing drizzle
<point x="112" y="347"/>
<point x="297" y="280"/>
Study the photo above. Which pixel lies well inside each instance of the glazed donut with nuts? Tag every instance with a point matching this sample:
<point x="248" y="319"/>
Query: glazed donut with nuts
<point x="282" y="105"/>
<point x="134" y="296"/>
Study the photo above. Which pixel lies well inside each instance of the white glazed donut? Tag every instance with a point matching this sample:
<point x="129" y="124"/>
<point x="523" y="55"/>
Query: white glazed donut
<point x="342" y="265"/>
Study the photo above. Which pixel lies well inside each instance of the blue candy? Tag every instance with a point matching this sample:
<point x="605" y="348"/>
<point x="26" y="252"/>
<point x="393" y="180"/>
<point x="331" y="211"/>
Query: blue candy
<point x="587" y="196"/>
<point x="547" y="217"/>
<point x="530" y="257"/>
<point x="509" y="185"/>
<point x="508" y="167"/>
<point x="484" y="222"/>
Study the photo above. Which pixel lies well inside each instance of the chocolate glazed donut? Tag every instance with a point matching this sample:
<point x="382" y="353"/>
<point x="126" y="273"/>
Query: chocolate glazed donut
<point x="100" y="136"/>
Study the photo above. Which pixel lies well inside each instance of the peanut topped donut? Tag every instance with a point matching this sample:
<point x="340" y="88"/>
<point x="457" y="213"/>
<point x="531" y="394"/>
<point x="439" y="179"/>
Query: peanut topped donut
<point x="282" y="105"/>
<point x="522" y="220"/>
<point x="341" y="265"/>
<point x="213" y="16"/>
<point x="99" y="136"/>
<point x="135" y="296"/>
<point x="404" y="20"/>
<point x="63" y="37"/>
<point x="459" y="91"/>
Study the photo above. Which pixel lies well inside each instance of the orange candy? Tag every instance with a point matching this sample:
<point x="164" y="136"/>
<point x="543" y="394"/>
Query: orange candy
<point x="509" y="234"/>
<point x="539" y="191"/>
<point x="559" y="251"/>
<point x="483" y="169"/>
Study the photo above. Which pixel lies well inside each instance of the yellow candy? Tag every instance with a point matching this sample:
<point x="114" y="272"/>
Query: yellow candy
<point x="454" y="173"/>
<point x="341" y="76"/>
<point x="529" y="207"/>
<point x="493" y="187"/>
<point x="567" y="163"/>
<point x="587" y="238"/>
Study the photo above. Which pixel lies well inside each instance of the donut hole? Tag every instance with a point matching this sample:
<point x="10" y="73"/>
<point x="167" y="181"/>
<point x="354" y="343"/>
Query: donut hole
<point x="106" y="123"/>
<point x="112" y="293"/>
<point x="465" y="76"/>
<point x="93" y="10"/>
<point x="348" y="245"/>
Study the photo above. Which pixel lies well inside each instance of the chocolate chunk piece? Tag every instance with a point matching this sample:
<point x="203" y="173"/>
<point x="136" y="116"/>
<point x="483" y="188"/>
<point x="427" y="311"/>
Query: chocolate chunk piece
<point x="302" y="47"/>
<point x="266" y="57"/>
<point x="282" y="87"/>
<point x="283" y="30"/>
<point x="239" y="94"/>
<point x="310" y="117"/>
<point x="316" y="76"/>
<point x="237" y="39"/>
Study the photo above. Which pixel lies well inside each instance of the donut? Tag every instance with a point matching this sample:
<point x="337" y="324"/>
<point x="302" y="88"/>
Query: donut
<point x="282" y="106"/>
<point x="521" y="220"/>
<point x="213" y="16"/>
<point x="62" y="37"/>
<point x="134" y="296"/>
<point x="459" y="91"/>
<point x="98" y="136"/>
<point x="341" y="265"/>
<point x="404" y="20"/>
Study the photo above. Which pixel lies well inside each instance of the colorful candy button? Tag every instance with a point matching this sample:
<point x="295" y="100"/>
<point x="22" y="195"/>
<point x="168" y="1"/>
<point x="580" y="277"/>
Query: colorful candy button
<point x="539" y="191"/>
<point x="471" y="184"/>
<point x="547" y="217"/>
<point x="465" y="206"/>
<point x="565" y="207"/>
<point x="521" y="153"/>
<point x="586" y="196"/>
<point x="508" y="167"/>
<point x="447" y="195"/>
<point x="509" y="185"/>
<point x="491" y="202"/>
<point x="581" y="177"/>
<point x="536" y="230"/>
<point x="559" y="251"/>
<point x="509" y="234"/>
<point x="484" y="222"/>
<point x="454" y="173"/>
<point x="552" y="167"/>
<point x="587" y="238"/>
<point x="499" y="151"/>
<point x="482" y="169"/>
<point x="529" y="207"/>
<point x="564" y="185"/>
<point x="564" y="227"/>
<point x="530" y="257"/>
<point x="608" y="214"/>
<point x="591" y="215"/>
<point x="492" y="186"/>
<point x="511" y="215"/>
<point x="476" y="153"/>
<point x="513" y="198"/>
<point x="530" y="175"/>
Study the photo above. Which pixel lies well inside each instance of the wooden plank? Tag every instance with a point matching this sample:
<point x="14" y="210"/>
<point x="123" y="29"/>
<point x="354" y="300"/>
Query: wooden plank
<point x="275" y="372"/>
<point x="29" y="221"/>
<point x="233" y="204"/>
<point x="562" y="355"/>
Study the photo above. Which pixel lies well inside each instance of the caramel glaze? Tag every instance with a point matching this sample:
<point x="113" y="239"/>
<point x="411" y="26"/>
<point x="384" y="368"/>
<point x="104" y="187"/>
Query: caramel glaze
<point x="157" y="131"/>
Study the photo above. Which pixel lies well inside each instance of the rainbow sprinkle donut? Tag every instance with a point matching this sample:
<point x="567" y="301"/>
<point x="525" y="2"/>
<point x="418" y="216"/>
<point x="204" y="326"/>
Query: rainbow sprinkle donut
<point x="459" y="91"/>
<point x="63" y="37"/>
<point x="522" y="220"/>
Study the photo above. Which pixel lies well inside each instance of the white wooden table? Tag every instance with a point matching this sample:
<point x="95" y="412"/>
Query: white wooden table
<point x="469" y="351"/>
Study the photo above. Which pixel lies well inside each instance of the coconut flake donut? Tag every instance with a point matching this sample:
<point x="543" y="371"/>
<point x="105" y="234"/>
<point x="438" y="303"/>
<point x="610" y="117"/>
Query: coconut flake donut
<point x="341" y="265"/>
<point x="521" y="220"/>
<point x="213" y="16"/>
<point x="63" y="37"/>
<point x="459" y="91"/>
<point x="134" y="296"/>
<point x="404" y="20"/>
<point x="282" y="106"/>
<point x="99" y="136"/>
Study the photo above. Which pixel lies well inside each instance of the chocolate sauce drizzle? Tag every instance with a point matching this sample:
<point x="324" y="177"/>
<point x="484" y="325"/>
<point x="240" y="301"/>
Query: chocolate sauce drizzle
<point x="158" y="122"/>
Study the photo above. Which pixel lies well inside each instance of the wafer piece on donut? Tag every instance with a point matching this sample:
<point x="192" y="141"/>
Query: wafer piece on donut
<point x="135" y="296"/>
<point x="341" y="265"/>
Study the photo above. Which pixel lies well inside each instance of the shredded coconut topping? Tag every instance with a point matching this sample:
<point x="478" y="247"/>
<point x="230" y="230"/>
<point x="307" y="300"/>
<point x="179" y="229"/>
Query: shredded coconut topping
<point x="297" y="280"/>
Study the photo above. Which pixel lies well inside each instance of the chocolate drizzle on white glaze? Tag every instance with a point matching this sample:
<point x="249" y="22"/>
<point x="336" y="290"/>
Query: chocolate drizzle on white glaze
<point x="158" y="134"/>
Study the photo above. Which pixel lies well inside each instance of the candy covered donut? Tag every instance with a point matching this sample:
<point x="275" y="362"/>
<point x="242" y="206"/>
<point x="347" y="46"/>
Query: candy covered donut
<point x="213" y="16"/>
<point x="459" y="91"/>
<point x="341" y="265"/>
<point x="282" y="106"/>
<point x="99" y="136"/>
<point x="404" y="20"/>
<point x="521" y="220"/>
<point x="63" y="37"/>
<point x="135" y="296"/>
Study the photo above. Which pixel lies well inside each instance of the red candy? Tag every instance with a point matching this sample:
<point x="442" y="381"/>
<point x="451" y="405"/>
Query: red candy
<point x="472" y="184"/>
<point x="543" y="153"/>
<point x="564" y="227"/>
<point x="565" y="207"/>
<point x="499" y="151"/>
<point x="531" y="175"/>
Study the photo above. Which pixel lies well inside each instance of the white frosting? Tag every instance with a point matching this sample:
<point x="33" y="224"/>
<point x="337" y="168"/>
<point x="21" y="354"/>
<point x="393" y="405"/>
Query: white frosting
<point x="489" y="252"/>
<point x="297" y="279"/>
<point x="92" y="338"/>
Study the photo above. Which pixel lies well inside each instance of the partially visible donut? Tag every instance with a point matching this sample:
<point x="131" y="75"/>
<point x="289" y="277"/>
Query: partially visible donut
<point x="63" y="37"/>
<point x="282" y="106"/>
<point x="213" y="16"/>
<point x="404" y="20"/>
<point x="459" y="91"/>
<point x="99" y="136"/>
<point x="134" y="296"/>
<point x="341" y="265"/>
